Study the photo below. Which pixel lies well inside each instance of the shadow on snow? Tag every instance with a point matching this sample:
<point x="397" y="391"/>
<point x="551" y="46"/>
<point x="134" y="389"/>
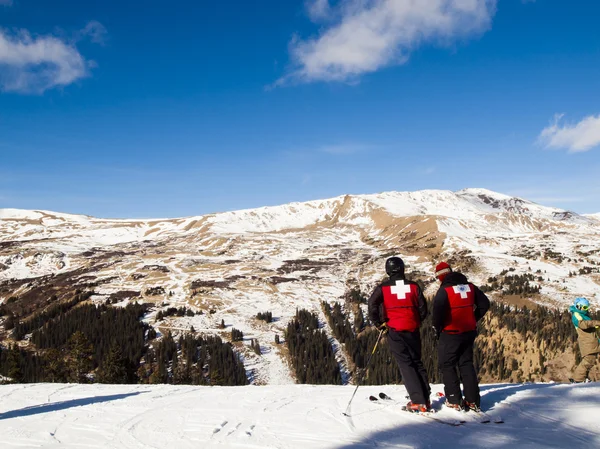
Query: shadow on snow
<point x="62" y="405"/>
<point x="536" y="421"/>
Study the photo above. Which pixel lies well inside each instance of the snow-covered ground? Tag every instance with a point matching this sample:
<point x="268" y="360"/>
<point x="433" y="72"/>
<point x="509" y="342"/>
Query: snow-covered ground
<point x="298" y="416"/>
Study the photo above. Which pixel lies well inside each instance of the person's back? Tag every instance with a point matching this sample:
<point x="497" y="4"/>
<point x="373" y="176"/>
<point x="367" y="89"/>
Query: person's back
<point x="399" y="305"/>
<point x="457" y="307"/>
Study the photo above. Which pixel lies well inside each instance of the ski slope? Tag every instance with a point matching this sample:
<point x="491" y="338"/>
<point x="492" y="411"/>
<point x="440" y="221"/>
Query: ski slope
<point x="285" y="417"/>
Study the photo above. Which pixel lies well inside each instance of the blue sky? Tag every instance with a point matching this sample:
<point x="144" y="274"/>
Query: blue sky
<point x="164" y="109"/>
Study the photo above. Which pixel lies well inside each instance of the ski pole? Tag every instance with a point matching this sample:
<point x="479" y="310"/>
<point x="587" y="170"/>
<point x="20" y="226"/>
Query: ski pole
<point x="365" y="370"/>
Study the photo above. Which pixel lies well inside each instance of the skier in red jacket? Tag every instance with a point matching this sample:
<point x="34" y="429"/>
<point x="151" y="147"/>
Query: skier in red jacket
<point x="399" y="305"/>
<point x="457" y="307"/>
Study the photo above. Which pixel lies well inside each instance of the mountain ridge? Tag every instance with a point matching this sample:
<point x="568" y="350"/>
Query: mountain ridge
<point x="485" y="196"/>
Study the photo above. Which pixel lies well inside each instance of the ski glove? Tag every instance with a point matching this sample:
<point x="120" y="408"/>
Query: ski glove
<point x="383" y="327"/>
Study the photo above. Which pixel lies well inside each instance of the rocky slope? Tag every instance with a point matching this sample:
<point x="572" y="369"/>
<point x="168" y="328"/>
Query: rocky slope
<point x="277" y="259"/>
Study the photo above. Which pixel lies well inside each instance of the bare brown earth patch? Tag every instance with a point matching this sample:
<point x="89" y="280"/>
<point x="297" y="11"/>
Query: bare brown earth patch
<point x="123" y="294"/>
<point x="160" y="268"/>
<point x="312" y="266"/>
<point x="34" y="294"/>
<point x="417" y="235"/>
<point x="519" y="301"/>
<point x="280" y="280"/>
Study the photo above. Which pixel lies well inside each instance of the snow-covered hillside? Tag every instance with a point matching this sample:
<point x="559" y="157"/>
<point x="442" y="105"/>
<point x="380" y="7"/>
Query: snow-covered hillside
<point x="293" y="256"/>
<point x="301" y="416"/>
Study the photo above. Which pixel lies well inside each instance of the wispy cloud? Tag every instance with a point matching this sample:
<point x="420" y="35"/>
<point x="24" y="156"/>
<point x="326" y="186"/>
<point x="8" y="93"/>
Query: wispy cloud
<point x="344" y="149"/>
<point x="95" y="31"/>
<point x="429" y="170"/>
<point x="575" y="138"/>
<point x="33" y="64"/>
<point x="567" y="193"/>
<point x="558" y="199"/>
<point x="339" y="149"/>
<point x="366" y="35"/>
<point x="6" y="2"/>
<point x="318" y="9"/>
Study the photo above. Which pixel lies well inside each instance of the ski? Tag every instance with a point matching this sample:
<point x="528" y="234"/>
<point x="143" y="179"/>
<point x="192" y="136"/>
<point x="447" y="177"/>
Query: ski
<point x="483" y="417"/>
<point x="429" y="414"/>
<point x="495" y="419"/>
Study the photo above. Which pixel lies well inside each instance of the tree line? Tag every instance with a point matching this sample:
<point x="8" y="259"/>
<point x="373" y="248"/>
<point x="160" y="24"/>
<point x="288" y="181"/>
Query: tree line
<point x="312" y="356"/>
<point x="192" y="360"/>
<point x="550" y="331"/>
<point x="80" y="342"/>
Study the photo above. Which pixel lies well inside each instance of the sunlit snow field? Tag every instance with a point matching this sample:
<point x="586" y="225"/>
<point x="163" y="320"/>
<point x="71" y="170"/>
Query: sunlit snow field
<point x="291" y="416"/>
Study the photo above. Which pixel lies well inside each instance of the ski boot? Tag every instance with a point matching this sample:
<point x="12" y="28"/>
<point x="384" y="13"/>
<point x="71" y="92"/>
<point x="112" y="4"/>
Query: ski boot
<point x="452" y="406"/>
<point x="416" y="408"/>
<point x="471" y="406"/>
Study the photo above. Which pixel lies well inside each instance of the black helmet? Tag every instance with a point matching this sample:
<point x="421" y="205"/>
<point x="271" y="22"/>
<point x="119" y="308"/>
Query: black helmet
<point x="394" y="265"/>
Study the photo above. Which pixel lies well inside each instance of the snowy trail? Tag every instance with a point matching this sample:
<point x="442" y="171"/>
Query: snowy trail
<point x="286" y="417"/>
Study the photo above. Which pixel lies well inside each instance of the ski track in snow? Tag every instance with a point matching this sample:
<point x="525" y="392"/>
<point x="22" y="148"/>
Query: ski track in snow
<point x="288" y="417"/>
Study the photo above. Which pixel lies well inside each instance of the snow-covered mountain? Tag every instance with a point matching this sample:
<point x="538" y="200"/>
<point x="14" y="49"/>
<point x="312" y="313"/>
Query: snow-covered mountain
<point x="289" y="417"/>
<point x="295" y="255"/>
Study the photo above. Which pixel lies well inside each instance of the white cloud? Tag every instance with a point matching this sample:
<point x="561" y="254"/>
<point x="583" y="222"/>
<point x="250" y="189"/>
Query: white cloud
<point x="35" y="64"/>
<point x="96" y="32"/>
<point x="318" y="9"/>
<point x="367" y="35"/>
<point x="575" y="138"/>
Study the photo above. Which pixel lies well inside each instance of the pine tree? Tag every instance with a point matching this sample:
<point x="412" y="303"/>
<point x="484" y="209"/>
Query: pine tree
<point x="236" y="334"/>
<point x="14" y="364"/>
<point x="156" y="378"/>
<point x="113" y="369"/>
<point x="255" y="345"/>
<point x="181" y="373"/>
<point x="55" y="369"/>
<point x="9" y="324"/>
<point x="79" y="357"/>
<point x="359" y="321"/>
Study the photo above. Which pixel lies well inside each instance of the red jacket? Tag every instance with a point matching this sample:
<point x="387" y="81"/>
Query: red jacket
<point x="461" y="314"/>
<point x="458" y="305"/>
<point x="399" y="302"/>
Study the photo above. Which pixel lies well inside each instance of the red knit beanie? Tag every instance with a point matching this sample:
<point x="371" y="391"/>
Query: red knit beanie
<point x="441" y="270"/>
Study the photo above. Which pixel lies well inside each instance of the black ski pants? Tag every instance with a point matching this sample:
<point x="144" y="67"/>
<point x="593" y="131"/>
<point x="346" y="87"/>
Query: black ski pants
<point x="456" y="351"/>
<point x="406" y="349"/>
